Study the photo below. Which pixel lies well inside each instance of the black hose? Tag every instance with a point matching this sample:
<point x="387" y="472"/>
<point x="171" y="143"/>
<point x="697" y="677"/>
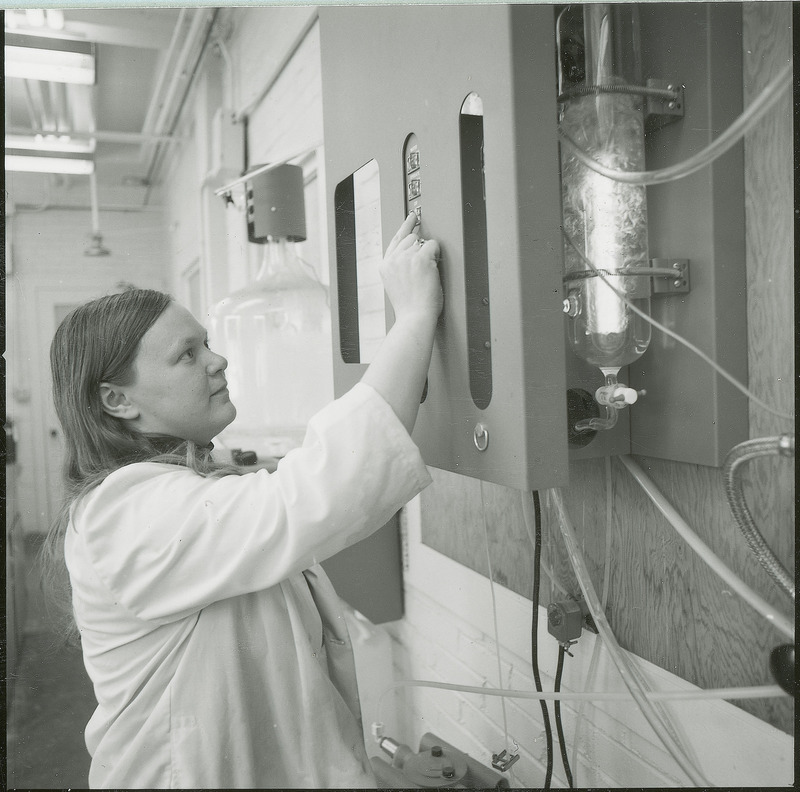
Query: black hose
<point x="537" y="560"/>
<point x="559" y="727"/>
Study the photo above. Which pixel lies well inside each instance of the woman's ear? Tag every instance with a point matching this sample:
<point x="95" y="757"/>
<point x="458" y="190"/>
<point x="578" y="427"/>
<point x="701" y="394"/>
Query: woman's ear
<point x="116" y="403"/>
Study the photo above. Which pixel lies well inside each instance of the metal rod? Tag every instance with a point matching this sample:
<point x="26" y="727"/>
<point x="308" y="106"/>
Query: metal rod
<point x="264" y="169"/>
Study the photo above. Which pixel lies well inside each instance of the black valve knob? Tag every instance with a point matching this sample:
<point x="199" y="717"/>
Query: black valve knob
<point x="781" y="663"/>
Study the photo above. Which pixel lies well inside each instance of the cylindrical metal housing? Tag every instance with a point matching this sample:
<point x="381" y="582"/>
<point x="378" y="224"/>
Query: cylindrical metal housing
<point x="276" y="205"/>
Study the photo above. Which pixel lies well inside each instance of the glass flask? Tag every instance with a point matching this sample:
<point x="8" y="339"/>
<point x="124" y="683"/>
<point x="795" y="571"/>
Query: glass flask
<point x="276" y="335"/>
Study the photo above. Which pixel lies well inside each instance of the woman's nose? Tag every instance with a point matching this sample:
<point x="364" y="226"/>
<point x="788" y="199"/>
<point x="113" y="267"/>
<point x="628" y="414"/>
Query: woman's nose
<point x="217" y="363"/>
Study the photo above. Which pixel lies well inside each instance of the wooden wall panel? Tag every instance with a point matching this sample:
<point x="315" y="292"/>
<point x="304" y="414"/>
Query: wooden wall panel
<point x="664" y="604"/>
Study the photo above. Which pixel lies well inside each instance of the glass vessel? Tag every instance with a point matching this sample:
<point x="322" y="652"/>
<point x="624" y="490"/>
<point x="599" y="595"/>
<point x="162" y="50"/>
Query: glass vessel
<point x="604" y="219"/>
<point x="276" y="335"/>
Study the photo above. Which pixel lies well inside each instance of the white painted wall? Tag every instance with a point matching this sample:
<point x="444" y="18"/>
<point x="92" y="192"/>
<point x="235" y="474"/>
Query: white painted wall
<point x="46" y="267"/>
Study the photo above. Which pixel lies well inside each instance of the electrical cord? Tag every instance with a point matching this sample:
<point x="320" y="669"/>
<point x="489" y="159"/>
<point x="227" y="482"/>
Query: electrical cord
<point x="557" y="706"/>
<point x="537" y="558"/>
<point x="680" y="339"/>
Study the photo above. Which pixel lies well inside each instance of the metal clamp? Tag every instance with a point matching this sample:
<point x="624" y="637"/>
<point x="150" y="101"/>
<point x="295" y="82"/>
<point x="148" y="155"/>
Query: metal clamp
<point x="671" y="276"/>
<point x="503" y="760"/>
<point x="663" y="110"/>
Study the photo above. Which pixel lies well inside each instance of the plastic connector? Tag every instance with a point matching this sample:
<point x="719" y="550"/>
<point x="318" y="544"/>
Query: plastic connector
<point x="567" y="618"/>
<point x="616" y="395"/>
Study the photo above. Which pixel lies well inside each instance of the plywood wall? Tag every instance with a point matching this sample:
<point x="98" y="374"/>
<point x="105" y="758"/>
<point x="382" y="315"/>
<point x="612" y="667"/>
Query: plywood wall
<point x="663" y="603"/>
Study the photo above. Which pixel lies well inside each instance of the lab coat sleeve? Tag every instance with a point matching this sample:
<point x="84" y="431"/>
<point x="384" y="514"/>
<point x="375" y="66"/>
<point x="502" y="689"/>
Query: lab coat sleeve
<point x="166" y="542"/>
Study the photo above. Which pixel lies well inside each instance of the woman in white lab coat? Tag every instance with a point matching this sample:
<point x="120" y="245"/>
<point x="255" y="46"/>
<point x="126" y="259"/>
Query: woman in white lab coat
<point x="215" y="643"/>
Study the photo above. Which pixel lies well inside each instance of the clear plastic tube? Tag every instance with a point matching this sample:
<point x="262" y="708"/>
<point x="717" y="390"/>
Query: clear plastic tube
<point x="726" y="694"/>
<point x="591" y="673"/>
<point x="729" y="138"/>
<point x="494" y="610"/>
<point x="681" y="340"/>
<point x="623" y="664"/>
<point x="704" y="552"/>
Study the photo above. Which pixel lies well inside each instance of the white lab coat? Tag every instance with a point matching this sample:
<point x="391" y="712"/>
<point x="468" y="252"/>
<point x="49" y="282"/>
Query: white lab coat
<point x="217" y="649"/>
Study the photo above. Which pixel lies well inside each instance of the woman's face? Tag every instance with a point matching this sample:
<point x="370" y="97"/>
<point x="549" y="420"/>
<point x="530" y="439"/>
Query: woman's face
<point x="179" y="386"/>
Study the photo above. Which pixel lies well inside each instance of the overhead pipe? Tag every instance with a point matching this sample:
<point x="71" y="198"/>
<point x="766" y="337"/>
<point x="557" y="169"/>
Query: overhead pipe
<point x="169" y="101"/>
<point x="167" y="70"/>
<point x="100" y="136"/>
<point x="197" y="42"/>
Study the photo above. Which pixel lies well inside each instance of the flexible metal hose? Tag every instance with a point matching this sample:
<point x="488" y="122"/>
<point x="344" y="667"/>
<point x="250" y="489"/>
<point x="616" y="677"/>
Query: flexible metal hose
<point x="618" y="88"/>
<point x="738" y="456"/>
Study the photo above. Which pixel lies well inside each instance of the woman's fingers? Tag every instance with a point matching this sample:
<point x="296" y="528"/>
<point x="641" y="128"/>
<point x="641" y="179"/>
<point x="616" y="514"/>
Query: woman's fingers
<point x="403" y="232"/>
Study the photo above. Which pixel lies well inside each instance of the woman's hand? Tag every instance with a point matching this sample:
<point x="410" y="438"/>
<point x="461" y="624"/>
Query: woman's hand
<point x="410" y="274"/>
<point x="411" y="279"/>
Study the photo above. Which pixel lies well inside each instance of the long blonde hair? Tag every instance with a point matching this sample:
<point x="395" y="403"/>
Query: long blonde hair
<point x="98" y="342"/>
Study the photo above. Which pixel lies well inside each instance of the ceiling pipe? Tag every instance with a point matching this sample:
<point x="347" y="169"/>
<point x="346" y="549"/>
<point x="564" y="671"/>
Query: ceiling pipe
<point x="166" y="69"/>
<point x="195" y="48"/>
<point x="134" y="138"/>
<point x="168" y="98"/>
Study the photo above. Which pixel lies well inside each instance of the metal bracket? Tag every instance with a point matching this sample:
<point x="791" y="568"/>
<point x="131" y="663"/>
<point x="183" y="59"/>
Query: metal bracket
<point x="662" y="111"/>
<point x="675" y="281"/>
<point x="503" y="760"/>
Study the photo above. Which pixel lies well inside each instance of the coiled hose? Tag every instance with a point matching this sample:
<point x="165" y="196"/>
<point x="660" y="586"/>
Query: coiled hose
<point x="737" y="457"/>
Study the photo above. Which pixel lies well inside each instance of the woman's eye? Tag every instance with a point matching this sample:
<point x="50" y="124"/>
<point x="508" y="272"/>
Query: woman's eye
<point x="189" y="353"/>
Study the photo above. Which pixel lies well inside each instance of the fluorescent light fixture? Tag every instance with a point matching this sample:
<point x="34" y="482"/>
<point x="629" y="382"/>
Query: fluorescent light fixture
<point x="48" y="162"/>
<point x="49" y="59"/>
<point x="51" y="143"/>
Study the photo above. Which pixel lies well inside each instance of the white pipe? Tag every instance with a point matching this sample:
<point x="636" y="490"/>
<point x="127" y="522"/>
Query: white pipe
<point x="714" y="563"/>
<point x="167" y="69"/>
<point x="107" y="136"/>
<point x="727" y="694"/>
<point x="95" y="207"/>
<point x="621" y="661"/>
<point x="288" y="55"/>
<point x="169" y="103"/>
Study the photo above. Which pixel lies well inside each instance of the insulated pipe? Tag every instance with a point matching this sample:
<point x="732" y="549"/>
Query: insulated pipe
<point x="716" y="565"/>
<point x="737" y="457"/>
